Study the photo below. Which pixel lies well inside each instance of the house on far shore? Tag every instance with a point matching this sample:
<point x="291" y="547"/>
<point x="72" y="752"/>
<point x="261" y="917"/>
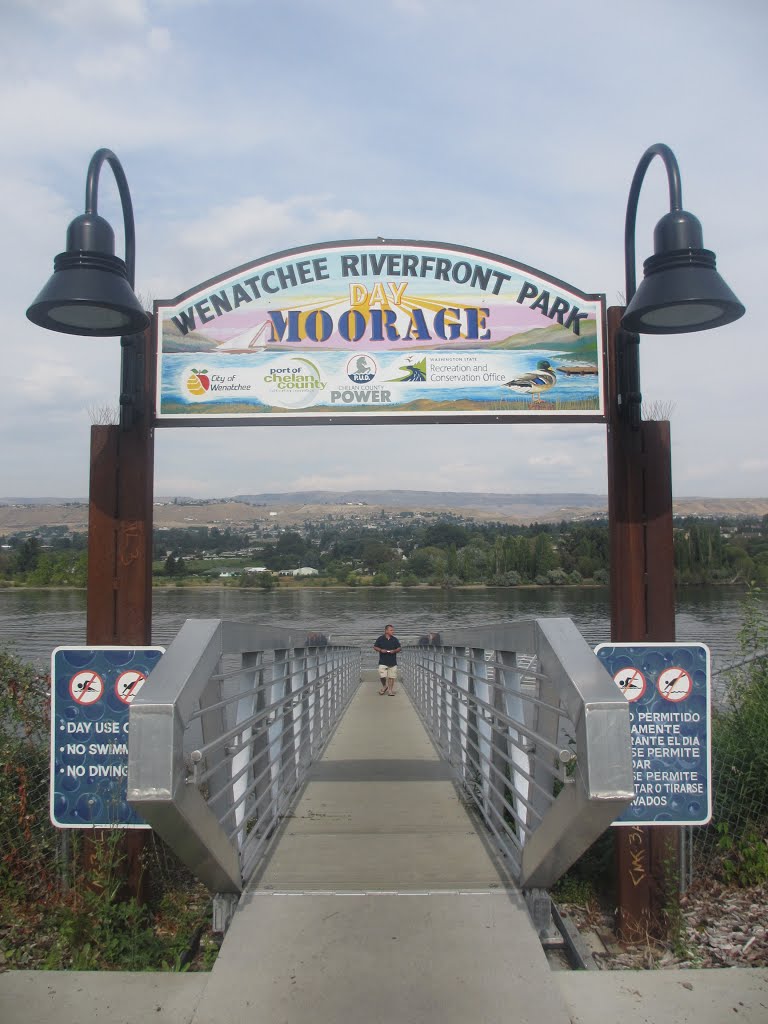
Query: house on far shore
<point x="305" y="570"/>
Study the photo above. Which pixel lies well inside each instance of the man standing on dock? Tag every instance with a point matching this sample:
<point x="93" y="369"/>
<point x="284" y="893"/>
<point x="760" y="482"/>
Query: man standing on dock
<point x="388" y="647"/>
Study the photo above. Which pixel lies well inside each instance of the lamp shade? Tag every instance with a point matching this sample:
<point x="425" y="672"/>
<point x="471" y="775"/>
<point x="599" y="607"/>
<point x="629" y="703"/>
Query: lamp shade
<point x="89" y="292"/>
<point x="681" y="290"/>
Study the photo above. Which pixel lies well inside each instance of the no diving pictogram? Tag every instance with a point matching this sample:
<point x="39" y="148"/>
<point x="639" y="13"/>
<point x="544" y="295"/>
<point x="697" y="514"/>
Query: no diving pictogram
<point x="128" y="685"/>
<point x="631" y="682"/>
<point x="674" y="684"/>
<point x="86" y="687"/>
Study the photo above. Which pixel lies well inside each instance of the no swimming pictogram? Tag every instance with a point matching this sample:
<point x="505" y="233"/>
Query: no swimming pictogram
<point x="86" y="687"/>
<point x="631" y="682"/>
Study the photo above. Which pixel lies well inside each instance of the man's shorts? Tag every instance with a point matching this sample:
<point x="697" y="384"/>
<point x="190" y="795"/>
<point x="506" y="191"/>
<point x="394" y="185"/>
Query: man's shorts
<point x="387" y="671"/>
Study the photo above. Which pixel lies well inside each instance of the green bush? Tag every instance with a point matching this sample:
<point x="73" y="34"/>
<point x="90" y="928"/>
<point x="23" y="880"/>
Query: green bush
<point x="745" y="859"/>
<point x="28" y="839"/>
<point x="54" y="912"/>
<point x="736" y="839"/>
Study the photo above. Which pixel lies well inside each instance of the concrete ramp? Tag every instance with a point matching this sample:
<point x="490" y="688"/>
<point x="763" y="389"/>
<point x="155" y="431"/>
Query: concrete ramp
<point x="381" y="901"/>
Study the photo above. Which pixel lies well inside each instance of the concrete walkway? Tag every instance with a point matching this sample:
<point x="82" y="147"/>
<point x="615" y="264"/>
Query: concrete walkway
<point x="381" y="903"/>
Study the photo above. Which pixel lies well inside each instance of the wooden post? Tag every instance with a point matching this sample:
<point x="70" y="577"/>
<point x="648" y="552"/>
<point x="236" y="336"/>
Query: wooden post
<point x="119" y="596"/>
<point x="642" y="611"/>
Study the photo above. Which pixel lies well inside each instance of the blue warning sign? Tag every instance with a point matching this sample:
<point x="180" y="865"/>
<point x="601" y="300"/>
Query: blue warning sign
<point x="668" y="689"/>
<point x="91" y="693"/>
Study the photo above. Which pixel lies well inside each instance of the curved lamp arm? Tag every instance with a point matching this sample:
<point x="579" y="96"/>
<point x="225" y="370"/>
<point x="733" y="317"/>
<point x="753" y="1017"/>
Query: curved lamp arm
<point x="681" y="290"/>
<point x="91" y="203"/>
<point x="675" y="204"/>
<point x="91" y="290"/>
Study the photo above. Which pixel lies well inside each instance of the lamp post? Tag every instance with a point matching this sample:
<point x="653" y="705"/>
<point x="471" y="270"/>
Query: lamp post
<point x="91" y="294"/>
<point x="681" y="292"/>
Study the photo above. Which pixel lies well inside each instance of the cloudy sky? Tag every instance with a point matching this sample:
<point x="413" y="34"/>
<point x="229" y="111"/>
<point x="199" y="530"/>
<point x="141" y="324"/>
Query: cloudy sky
<point x="246" y="127"/>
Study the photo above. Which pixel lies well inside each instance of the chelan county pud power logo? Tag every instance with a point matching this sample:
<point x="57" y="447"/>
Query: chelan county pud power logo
<point x="361" y="369"/>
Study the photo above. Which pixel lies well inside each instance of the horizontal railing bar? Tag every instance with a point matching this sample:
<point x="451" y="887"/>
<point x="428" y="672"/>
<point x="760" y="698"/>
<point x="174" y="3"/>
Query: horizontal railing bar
<point x="234" y="698"/>
<point x="512" y="723"/>
<point x="535" y="701"/>
<point x="240" y="801"/>
<point x="523" y="826"/>
<point x="510" y="769"/>
<point x="436" y="678"/>
<point x="247" y="723"/>
<point x="548" y="796"/>
<point x="281" y="702"/>
<point x="253" y="786"/>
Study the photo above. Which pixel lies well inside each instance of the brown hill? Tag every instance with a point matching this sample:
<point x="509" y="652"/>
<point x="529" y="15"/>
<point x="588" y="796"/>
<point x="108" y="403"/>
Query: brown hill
<point x="294" y="509"/>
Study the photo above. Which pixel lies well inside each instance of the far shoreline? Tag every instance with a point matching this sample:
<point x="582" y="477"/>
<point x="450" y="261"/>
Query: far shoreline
<point x="6" y="586"/>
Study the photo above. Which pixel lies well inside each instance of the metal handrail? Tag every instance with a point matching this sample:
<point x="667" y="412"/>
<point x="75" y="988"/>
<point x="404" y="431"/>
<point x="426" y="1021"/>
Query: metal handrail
<point x="536" y="731"/>
<point x="221" y="742"/>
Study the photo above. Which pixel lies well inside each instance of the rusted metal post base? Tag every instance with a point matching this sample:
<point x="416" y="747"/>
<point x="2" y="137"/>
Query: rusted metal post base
<point x="642" y="611"/>
<point x="119" y="598"/>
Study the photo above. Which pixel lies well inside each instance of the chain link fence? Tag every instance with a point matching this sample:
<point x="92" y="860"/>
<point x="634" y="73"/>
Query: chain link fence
<point x="31" y="851"/>
<point x="736" y="841"/>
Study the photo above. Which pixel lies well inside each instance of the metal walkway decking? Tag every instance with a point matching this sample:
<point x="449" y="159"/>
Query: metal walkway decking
<point x="379" y="900"/>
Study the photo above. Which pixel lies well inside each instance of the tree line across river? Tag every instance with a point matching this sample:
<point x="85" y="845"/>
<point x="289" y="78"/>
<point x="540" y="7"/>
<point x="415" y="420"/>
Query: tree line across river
<point x="403" y="549"/>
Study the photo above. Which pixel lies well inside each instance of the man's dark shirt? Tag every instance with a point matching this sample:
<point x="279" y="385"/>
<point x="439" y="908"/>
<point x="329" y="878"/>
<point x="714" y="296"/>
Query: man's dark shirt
<point x="389" y="643"/>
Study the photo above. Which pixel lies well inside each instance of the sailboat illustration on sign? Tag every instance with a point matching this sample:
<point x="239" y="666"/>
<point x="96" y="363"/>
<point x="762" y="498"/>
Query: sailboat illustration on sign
<point x="246" y="341"/>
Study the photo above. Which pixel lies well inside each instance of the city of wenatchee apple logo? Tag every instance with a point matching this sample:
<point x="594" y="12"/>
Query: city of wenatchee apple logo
<point x="198" y="382"/>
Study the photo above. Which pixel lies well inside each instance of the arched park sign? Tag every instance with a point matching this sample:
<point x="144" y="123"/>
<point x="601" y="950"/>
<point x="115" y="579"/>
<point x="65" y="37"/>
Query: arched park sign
<point x="375" y="331"/>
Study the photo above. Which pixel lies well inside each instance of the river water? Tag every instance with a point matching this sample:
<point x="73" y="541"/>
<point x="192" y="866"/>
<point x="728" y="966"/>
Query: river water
<point x="34" y="622"/>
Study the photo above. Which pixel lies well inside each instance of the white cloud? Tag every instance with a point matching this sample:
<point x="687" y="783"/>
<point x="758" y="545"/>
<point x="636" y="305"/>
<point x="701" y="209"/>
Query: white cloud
<point x="245" y="129"/>
<point x="93" y="14"/>
<point x="258" y="220"/>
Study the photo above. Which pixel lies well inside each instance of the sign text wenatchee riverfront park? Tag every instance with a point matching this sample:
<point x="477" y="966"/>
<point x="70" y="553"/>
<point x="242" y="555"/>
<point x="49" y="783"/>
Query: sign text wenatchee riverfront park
<point x="380" y="330"/>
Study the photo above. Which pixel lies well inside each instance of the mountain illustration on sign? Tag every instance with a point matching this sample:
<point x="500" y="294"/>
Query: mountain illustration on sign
<point x="412" y="371"/>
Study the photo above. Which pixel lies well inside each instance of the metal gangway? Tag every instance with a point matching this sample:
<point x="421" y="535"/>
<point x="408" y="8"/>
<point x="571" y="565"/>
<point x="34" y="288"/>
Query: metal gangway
<point x="368" y="852"/>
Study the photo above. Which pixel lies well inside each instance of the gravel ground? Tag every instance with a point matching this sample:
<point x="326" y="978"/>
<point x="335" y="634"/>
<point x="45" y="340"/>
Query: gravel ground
<point x="720" y="926"/>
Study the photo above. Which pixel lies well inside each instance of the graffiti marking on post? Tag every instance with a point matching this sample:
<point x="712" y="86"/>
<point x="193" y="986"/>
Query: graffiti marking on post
<point x="637" y="872"/>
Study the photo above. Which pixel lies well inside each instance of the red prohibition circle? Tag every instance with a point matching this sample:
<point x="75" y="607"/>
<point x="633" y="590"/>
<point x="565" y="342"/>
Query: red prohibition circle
<point x="674" y="684"/>
<point x="631" y="682"/>
<point x="86" y="687"/>
<point x="128" y="685"/>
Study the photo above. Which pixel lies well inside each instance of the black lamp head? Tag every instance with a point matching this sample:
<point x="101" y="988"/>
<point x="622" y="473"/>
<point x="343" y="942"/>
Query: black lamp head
<point x="89" y="292"/>
<point x="681" y="290"/>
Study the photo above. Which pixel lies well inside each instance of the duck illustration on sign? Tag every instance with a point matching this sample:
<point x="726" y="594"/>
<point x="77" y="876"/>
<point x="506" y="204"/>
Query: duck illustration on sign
<point x="534" y="383"/>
